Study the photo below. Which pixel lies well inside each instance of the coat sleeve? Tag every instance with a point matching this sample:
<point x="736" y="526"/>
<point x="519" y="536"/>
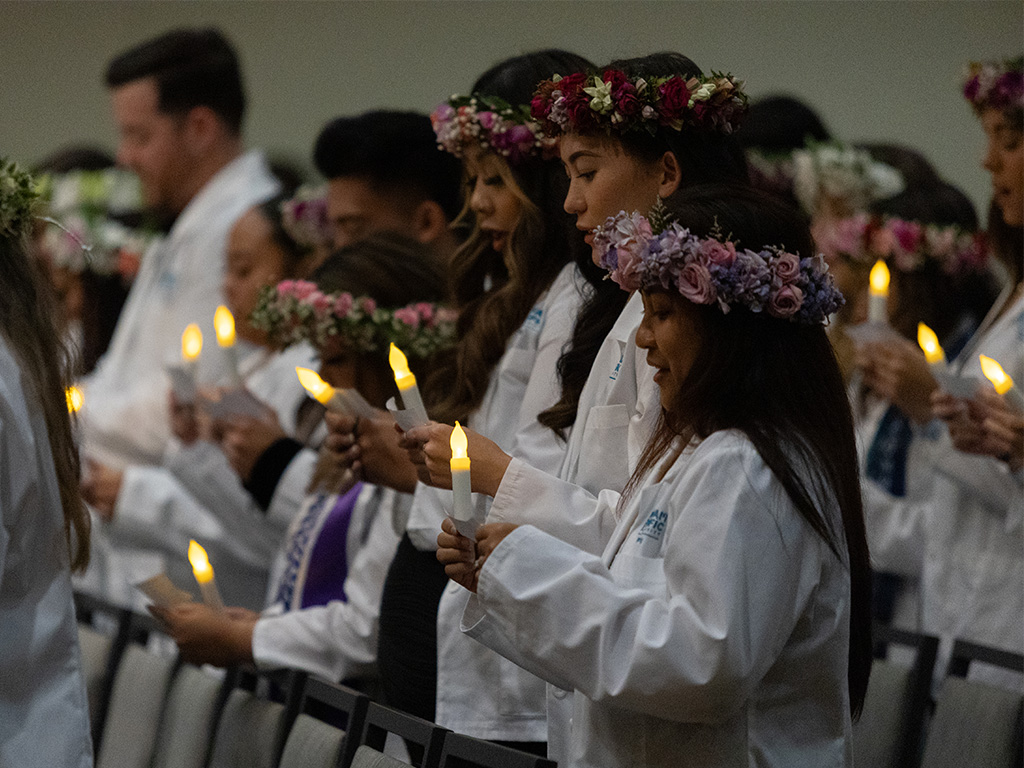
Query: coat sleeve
<point x="739" y="567"/>
<point x="337" y="640"/>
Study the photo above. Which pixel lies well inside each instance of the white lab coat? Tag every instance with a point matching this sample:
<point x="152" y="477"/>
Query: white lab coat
<point x="124" y="416"/>
<point x="44" y="715"/>
<point x="714" y="631"/>
<point x="338" y="640"/>
<point x="617" y="413"/>
<point x="479" y="692"/>
<point x="973" y="568"/>
<point x="197" y="495"/>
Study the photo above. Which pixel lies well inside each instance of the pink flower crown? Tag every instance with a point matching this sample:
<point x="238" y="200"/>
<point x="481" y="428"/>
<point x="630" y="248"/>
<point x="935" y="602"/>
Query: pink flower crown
<point x="296" y="310"/>
<point x="583" y="103"/>
<point x="905" y="245"/>
<point x="712" y="270"/>
<point x="491" y="124"/>
<point x="993" y="84"/>
<point x="304" y="217"/>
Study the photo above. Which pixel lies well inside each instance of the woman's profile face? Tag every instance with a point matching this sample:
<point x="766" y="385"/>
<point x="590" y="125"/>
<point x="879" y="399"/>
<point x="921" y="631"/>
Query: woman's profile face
<point x="1004" y="160"/>
<point x="253" y="262"/>
<point x="491" y="197"/>
<point x="604" y="179"/>
<point x="669" y="334"/>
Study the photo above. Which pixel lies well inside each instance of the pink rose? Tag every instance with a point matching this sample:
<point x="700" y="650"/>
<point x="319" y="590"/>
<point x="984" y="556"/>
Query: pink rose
<point x="907" y="234"/>
<point x="321" y="304"/>
<point x="302" y="289"/>
<point x="714" y="252"/>
<point x="369" y="305"/>
<point x="694" y="282"/>
<point x="426" y="311"/>
<point x="408" y="316"/>
<point x="787" y="267"/>
<point x="486" y="119"/>
<point x="343" y="304"/>
<point x="786" y="301"/>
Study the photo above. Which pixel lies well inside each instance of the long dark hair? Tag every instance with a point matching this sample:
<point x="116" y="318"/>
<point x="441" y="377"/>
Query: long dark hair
<point x="779" y="383"/>
<point x="703" y="157"/>
<point x="494" y="292"/>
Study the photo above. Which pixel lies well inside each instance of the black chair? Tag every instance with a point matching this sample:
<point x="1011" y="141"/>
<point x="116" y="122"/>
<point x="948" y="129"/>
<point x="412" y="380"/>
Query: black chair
<point x="326" y="731"/>
<point x="891" y="727"/>
<point x="461" y="751"/>
<point x="423" y="738"/>
<point x="977" y="723"/>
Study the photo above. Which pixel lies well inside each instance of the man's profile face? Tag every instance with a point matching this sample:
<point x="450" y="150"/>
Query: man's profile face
<point x="152" y="144"/>
<point x="356" y="209"/>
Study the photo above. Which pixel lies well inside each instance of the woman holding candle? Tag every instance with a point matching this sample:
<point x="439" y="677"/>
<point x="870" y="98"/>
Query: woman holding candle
<point x="727" y="620"/>
<point x="323" y="603"/>
<point x="44" y="527"/>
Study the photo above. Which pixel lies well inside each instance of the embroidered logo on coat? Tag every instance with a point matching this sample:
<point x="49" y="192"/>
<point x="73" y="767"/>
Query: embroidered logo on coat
<point x="615" y="371"/>
<point x="649" y="537"/>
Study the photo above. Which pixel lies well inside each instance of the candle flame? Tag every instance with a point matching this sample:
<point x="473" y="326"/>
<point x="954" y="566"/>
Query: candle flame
<point x="313" y="384"/>
<point x="191" y="342"/>
<point x="400" y="365"/>
<point x="224" y="323"/>
<point x="879" y="279"/>
<point x="75" y="398"/>
<point x="200" y="562"/>
<point x="459" y="443"/>
<point x="929" y="343"/>
<point x="994" y="372"/>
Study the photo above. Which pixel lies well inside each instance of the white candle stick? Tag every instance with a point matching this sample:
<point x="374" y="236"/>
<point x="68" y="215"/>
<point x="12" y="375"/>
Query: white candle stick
<point x="406" y="381"/>
<point x="191" y="347"/>
<point x="344" y="402"/>
<point x="203" y="572"/>
<point x="878" y="296"/>
<point x="462" y="499"/>
<point x="224" y="325"/>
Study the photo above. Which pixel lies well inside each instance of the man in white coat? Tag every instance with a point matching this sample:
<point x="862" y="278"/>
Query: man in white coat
<point x="178" y="102"/>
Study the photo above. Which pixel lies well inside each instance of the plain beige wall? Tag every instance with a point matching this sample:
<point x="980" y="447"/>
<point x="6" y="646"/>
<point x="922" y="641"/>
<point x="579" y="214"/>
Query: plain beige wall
<point x="875" y="70"/>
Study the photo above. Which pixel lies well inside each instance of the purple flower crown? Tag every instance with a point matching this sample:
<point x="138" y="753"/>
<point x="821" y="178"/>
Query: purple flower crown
<point x="296" y="310"/>
<point x="994" y="84"/>
<point x="491" y="124"/>
<point x="583" y="103"/>
<point x="304" y="217"/>
<point x="905" y="245"/>
<point x="713" y="271"/>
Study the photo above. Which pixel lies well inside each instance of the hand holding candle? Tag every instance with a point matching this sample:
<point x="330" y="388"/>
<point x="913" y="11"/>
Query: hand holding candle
<point x="224" y="324"/>
<point x="1003" y="384"/>
<point x="462" y="500"/>
<point x="203" y="572"/>
<point x="878" y="311"/>
<point x="406" y="381"/>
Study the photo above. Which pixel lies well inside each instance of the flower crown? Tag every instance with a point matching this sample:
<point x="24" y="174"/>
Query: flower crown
<point x="18" y="197"/>
<point x="614" y="101"/>
<point x="296" y="310"/>
<point x="842" y="172"/>
<point x="906" y="245"/>
<point x="713" y="270"/>
<point x="490" y="123"/>
<point x="994" y="84"/>
<point x="304" y="217"/>
<point x="83" y="232"/>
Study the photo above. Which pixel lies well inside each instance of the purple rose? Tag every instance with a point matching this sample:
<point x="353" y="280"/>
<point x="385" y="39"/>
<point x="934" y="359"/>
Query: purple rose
<point x="695" y="283"/>
<point x="786" y="301"/>
<point x="787" y="267"/>
<point x="486" y="119"/>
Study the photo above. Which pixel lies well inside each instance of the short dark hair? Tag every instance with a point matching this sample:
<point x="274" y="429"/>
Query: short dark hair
<point x="192" y="68"/>
<point x="394" y="151"/>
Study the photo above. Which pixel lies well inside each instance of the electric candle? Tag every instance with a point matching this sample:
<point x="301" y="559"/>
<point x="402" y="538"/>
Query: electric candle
<point x="929" y="343"/>
<point x="75" y="398"/>
<point x="345" y="402"/>
<point x="191" y="347"/>
<point x="462" y="501"/>
<point x="406" y="381"/>
<point x="879" y="293"/>
<point x="203" y="572"/>
<point x="224" y="325"/>
<point x="1004" y="384"/>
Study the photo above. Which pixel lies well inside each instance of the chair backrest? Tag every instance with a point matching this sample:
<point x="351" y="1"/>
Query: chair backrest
<point x="460" y="751"/>
<point x="888" y="734"/>
<point x="975" y="723"/>
<point x="423" y="738"/>
<point x="190" y="715"/>
<point x="328" y="713"/>
<point x="252" y="728"/>
<point x="136" y="701"/>
<point x="368" y="757"/>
